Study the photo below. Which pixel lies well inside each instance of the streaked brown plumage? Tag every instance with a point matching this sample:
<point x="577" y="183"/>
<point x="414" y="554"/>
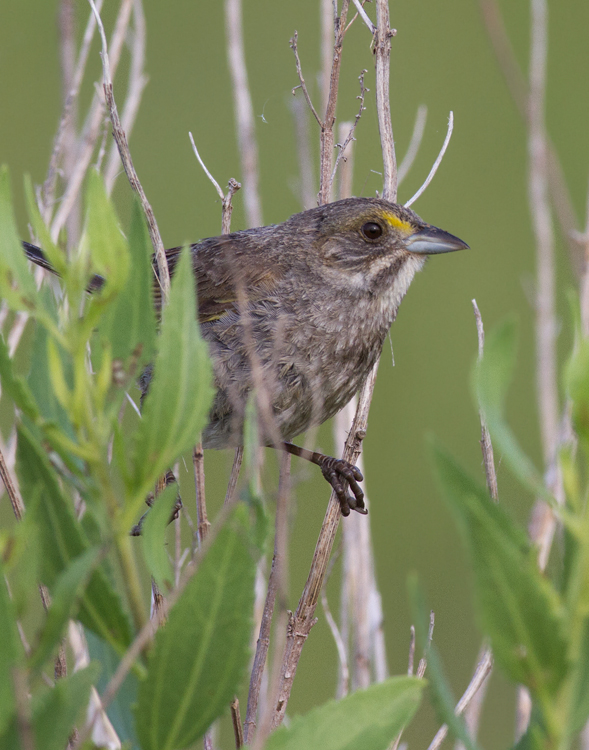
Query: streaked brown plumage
<point x="301" y="310"/>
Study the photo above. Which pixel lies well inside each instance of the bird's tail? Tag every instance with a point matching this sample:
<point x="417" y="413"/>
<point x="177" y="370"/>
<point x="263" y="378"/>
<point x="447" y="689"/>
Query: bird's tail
<point x="35" y="254"/>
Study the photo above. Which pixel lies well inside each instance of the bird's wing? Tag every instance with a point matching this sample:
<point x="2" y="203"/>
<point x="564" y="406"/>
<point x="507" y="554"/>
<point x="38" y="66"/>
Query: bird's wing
<point x="225" y="269"/>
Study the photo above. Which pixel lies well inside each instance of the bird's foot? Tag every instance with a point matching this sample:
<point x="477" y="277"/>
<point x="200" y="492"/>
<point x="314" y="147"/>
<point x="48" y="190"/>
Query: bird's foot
<point x="335" y="470"/>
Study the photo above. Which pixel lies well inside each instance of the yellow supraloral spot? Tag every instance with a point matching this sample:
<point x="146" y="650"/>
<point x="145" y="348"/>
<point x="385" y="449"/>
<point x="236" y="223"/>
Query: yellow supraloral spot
<point x="394" y="221"/>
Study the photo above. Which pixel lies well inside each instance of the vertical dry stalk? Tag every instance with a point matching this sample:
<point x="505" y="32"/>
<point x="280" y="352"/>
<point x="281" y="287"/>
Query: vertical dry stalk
<point x="244" y="112"/>
<point x="361" y="608"/>
<point x="301" y="622"/>
<point x="327" y="140"/>
<point x="382" y="53"/>
<point x="277" y="588"/>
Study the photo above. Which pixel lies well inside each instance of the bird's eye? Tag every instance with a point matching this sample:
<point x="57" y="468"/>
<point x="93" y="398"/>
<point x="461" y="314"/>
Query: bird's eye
<point x="371" y="230"/>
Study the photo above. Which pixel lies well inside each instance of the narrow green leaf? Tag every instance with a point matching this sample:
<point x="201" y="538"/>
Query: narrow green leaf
<point x="108" y="247"/>
<point x="62" y="540"/>
<point x="580" y="686"/>
<point x="200" y="657"/>
<point x="134" y="305"/>
<point x="15" y="386"/>
<point x="54" y="254"/>
<point x="11" y="653"/>
<point x="153" y="537"/>
<point x="180" y="393"/>
<point x="365" y="720"/>
<point x="518" y="608"/>
<point x="491" y="379"/>
<point x="65" y="595"/>
<point x="13" y="264"/>
<point x="577" y="385"/>
<point x="442" y="697"/>
<point x="119" y="710"/>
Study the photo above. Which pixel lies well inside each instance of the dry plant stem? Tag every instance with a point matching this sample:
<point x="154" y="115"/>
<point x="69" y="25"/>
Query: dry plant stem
<point x="584" y="294"/>
<point x="202" y="520"/>
<point x="473" y="711"/>
<point x="414" y="143"/>
<point x="346" y="139"/>
<point x="382" y="56"/>
<point x="486" y="445"/>
<point x="364" y="16"/>
<point x="123" y="146"/>
<point x="308" y="191"/>
<point x="344" y="678"/>
<point x="244" y="112"/>
<point x="48" y="189"/>
<point x="328" y="15"/>
<point x="67" y="32"/>
<point x="277" y="591"/>
<point x="326" y="140"/>
<point x="482" y="672"/>
<point x="437" y="162"/>
<point x="12" y="490"/>
<point x="236" y="719"/>
<point x="92" y="126"/>
<point x="137" y="82"/>
<point x="302" y="85"/>
<point x="303" y="619"/>
<point x="234" y="476"/>
<point x="520" y="93"/>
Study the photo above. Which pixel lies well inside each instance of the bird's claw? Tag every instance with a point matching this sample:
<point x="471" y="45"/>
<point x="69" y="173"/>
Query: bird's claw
<point x="335" y="470"/>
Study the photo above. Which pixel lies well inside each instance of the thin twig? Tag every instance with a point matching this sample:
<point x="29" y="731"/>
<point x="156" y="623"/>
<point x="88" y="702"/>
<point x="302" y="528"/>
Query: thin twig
<point x="519" y="91"/>
<point x="48" y="189"/>
<point x="244" y="112"/>
<point x="92" y="125"/>
<point x="123" y="146"/>
<point x="277" y="589"/>
<point x="350" y="136"/>
<point x="364" y="16"/>
<point x="486" y="444"/>
<point x="236" y="719"/>
<point x="414" y="143"/>
<point x="437" y="162"/>
<point x="302" y="85"/>
<point x="202" y="521"/>
<point x="137" y="82"/>
<point x="234" y="476"/>
<point x="483" y="670"/>
<point x="12" y="490"/>
<point x="326" y="138"/>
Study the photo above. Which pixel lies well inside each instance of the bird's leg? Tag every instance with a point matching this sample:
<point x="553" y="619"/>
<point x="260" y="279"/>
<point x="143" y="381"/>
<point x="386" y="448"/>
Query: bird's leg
<point x="335" y="470"/>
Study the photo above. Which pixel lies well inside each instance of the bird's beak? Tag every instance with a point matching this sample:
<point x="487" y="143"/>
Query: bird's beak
<point x="431" y="240"/>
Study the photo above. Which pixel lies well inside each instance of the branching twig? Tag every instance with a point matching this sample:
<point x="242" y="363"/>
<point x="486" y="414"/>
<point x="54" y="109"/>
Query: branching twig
<point x="123" y="146"/>
<point x="350" y="136"/>
<point x="302" y="85"/>
<point x="437" y="162"/>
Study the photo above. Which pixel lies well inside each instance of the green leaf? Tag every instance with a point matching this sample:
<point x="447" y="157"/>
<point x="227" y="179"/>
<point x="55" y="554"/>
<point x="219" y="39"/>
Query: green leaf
<point x="577" y="385"/>
<point x="153" y="537"/>
<point x="491" y="379"/>
<point x="62" y="540"/>
<point x="443" y="700"/>
<point x="580" y="685"/>
<point x="66" y="592"/>
<point x="129" y="323"/>
<point x="56" y="710"/>
<point x="15" y="386"/>
<point x="55" y="255"/>
<point x="201" y="655"/>
<point x="366" y="720"/>
<point x="109" y="250"/>
<point x="13" y="264"/>
<point x="119" y="710"/>
<point x="180" y="392"/>
<point x="518" y="608"/>
<point x="11" y="653"/>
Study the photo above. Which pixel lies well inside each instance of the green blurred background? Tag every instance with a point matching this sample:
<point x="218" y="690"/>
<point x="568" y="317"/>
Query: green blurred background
<point x="442" y="58"/>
